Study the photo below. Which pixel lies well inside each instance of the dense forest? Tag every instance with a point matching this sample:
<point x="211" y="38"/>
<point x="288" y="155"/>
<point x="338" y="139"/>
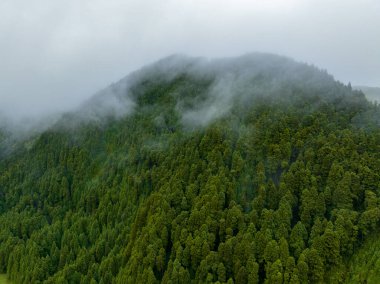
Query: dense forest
<point x="255" y="169"/>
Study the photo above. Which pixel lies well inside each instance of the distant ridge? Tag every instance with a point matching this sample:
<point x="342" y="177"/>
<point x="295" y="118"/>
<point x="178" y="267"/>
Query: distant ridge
<point x="372" y="93"/>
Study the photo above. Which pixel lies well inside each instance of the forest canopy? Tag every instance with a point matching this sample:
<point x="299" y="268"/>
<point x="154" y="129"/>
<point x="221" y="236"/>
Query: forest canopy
<point x="256" y="169"/>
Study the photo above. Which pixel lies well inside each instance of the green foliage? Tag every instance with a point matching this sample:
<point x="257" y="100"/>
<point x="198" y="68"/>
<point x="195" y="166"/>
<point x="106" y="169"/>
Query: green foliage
<point x="282" y="189"/>
<point x="364" y="265"/>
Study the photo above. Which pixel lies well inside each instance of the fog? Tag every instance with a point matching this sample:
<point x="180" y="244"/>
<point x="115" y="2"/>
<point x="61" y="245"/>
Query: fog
<point x="236" y="81"/>
<point x="55" y="55"/>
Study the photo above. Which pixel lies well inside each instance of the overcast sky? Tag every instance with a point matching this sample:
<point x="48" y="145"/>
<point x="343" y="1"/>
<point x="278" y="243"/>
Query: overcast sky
<point x="54" y="54"/>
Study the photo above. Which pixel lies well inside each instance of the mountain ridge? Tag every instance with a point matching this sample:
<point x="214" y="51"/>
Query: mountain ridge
<point x="211" y="172"/>
<point x="220" y="73"/>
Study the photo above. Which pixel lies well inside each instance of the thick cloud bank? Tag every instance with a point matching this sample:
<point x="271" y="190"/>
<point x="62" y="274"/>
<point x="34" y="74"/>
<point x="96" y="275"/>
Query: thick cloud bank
<point x="56" y="54"/>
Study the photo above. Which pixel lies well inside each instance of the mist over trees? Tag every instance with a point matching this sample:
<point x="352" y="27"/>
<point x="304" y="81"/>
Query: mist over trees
<point x="255" y="169"/>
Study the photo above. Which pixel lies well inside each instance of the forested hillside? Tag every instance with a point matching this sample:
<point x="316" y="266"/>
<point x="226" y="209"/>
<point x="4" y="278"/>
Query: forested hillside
<point x="255" y="169"/>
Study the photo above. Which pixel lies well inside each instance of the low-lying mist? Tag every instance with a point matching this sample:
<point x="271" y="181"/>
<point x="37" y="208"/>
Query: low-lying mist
<point x="226" y="81"/>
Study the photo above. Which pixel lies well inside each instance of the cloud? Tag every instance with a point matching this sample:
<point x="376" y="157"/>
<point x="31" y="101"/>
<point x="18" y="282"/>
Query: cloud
<point x="222" y="83"/>
<point x="113" y="101"/>
<point x="54" y="55"/>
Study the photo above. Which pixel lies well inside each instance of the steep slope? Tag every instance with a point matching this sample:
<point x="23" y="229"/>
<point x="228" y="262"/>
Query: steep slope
<point x="250" y="169"/>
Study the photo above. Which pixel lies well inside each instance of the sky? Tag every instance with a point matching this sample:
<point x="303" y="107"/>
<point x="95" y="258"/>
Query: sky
<point x="56" y="54"/>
